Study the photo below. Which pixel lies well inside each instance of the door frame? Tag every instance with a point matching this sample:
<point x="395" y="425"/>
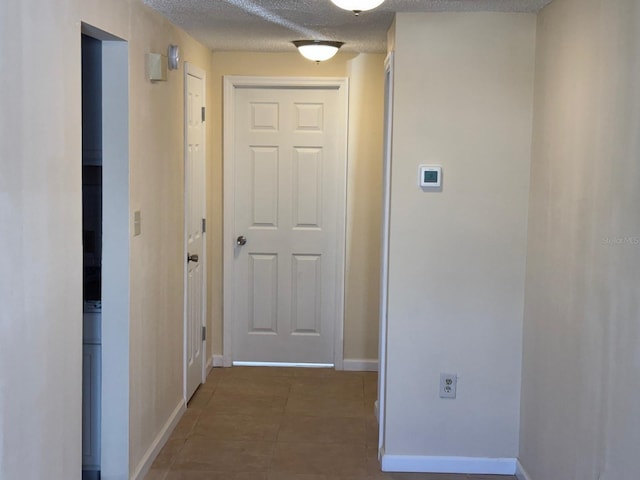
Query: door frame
<point x="381" y="404"/>
<point x="190" y="69"/>
<point x="233" y="83"/>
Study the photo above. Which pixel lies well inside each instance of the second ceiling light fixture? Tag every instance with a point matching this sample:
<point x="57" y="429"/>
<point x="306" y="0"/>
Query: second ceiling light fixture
<point x="357" y="6"/>
<point x="321" y="50"/>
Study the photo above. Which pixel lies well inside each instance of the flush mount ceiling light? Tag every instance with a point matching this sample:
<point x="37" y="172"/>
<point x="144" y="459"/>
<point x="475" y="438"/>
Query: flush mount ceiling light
<point x="357" y="6"/>
<point x="317" y="50"/>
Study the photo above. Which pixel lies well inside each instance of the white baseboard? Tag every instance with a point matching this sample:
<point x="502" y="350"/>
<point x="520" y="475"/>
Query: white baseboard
<point x="217" y="361"/>
<point x="145" y="464"/>
<point x="360" y="365"/>
<point x="468" y="465"/>
<point x="521" y="473"/>
<point x="350" y="364"/>
<point x="207" y="368"/>
<point x="282" y="364"/>
<point x="227" y="361"/>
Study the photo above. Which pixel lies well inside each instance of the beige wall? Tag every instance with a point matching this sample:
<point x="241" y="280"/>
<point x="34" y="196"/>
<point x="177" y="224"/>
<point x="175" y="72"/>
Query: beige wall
<point x="365" y="73"/>
<point x="40" y="188"/>
<point x="463" y="99"/>
<point x="581" y="369"/>
<point x="41" y="274"/>
<point x="364" y="206"/>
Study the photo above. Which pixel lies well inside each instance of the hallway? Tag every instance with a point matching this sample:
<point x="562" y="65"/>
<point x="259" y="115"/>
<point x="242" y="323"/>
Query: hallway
<point x="281" y="424"/>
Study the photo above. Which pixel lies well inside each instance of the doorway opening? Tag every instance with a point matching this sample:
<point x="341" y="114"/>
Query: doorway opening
<point x="92" y="253"/>
<point x="105" y="135"/>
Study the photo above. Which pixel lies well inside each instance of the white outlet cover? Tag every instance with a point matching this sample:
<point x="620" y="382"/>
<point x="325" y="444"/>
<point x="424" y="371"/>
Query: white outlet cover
<point x="448" y="385"/>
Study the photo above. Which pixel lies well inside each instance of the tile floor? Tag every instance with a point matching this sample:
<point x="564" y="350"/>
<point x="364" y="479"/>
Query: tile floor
<point x="281" y="424"/>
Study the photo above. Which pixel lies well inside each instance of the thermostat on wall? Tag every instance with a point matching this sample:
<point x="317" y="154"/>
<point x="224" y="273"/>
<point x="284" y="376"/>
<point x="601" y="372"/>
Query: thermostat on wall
<point x="430" y="176"/>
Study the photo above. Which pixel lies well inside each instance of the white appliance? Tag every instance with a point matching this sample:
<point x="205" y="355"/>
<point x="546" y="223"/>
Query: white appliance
<point x="91" y="384"/>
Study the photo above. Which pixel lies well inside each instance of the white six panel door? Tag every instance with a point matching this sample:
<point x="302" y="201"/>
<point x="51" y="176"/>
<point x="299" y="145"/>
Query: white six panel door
<point x="194" y="211"/>
<point x="287" y="163"/>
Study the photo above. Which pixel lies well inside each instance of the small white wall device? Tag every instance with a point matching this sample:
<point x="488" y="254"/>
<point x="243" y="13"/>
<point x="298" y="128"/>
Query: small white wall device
<point x="430" y="176"/>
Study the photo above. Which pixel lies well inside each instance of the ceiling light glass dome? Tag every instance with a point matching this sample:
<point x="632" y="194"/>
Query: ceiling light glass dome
<point x="317" y="50"/>
<point x="357" y="6"/>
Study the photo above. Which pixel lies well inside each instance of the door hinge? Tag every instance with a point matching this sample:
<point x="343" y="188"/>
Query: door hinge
<point x="203" y="114"/>
<point x="204" y="333"/>
<point x="204" y="225"/>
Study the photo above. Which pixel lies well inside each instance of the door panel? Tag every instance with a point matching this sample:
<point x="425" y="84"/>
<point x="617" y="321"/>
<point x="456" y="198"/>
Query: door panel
<point x="306" y="295"/>
<point x="263" y="293"/>
<point x="288" y="168"/>
<point x="265" y="186"/>
<point x="307" y="187"/>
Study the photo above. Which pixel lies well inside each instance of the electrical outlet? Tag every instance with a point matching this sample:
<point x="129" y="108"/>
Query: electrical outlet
<point x="448" y="385"/>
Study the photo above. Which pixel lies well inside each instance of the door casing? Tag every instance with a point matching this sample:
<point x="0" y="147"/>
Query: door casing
<point x="231" y="85"/>
<point x="381" y="404"/>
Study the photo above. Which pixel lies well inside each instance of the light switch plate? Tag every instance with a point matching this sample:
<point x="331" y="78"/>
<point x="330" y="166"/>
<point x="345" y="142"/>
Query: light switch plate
<point x="137" y="223"/>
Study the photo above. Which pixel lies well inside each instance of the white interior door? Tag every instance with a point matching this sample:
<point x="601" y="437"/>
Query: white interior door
<point x="194" y="219"/>
<point x="289" y="163"/>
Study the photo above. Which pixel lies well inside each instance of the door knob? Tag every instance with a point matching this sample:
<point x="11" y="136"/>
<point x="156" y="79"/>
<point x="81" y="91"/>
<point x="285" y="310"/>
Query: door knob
<point x="192" y="258"/>
<point x="241" y="240"/>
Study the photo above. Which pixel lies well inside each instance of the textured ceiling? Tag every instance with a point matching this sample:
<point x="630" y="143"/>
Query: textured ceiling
<point x="271" y="25"/>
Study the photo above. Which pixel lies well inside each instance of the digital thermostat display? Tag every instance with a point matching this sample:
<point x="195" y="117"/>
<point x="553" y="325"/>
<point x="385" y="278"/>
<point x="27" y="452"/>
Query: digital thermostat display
<point x="430" y="176"/>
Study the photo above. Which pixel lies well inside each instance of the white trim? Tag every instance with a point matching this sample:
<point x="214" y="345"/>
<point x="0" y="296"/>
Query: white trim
<point x="227" y="361"/>
<point x="162" y="437"/>
<point x="190" y="69"/>
<point x="342" y="84"/>
<point x="360" y="365"/>
<point x="283" y="364"/>
<point x="228" y="204"/>
<point x="521" y="473"/>
<point x="116" y="262"/>
<point x="384" y="254"/>
<point x="468" y="465"/>
<point x="230" y="84"/>
<point x="208" y="366"/>
<point x="217" y="361"/>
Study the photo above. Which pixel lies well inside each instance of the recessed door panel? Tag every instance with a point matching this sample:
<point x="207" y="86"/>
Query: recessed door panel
<point x="309" y="117"/>
<point x="263" y="293"/>
<point x="306" y="295"/>
<point x="264" y="116"/>
<point x="265" y="186"/>
<point x="307" y="187"/>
